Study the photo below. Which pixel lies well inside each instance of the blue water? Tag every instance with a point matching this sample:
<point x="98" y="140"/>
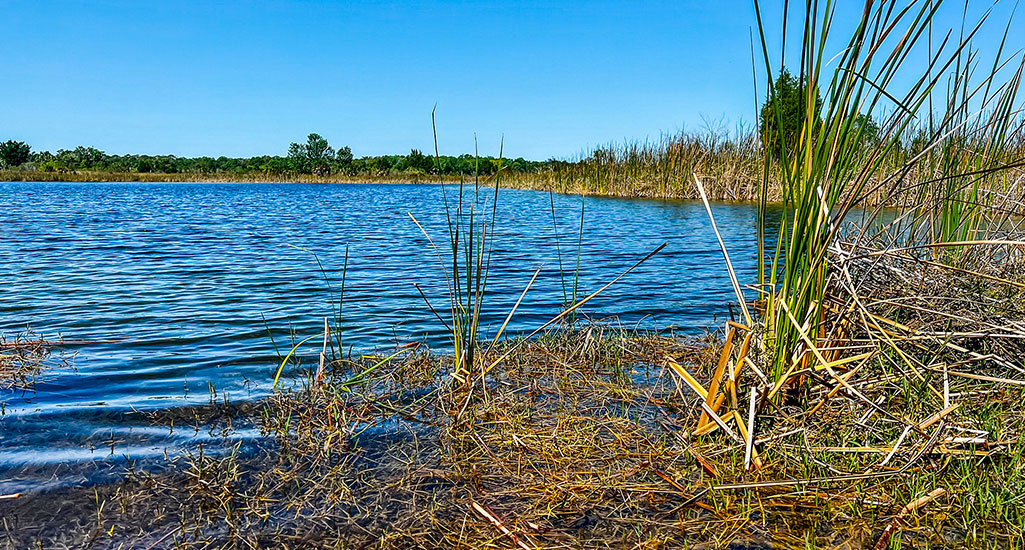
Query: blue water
<point x="180" y="277"/>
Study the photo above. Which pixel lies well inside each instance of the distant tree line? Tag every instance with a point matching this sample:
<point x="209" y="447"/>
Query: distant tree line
<point x="315" y="157"/>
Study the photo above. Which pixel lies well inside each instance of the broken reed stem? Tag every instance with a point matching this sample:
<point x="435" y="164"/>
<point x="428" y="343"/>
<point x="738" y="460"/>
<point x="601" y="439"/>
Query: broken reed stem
<point x="490" y="516"/>
<point x="750" y="429"/>
<point x="726" y="256"/>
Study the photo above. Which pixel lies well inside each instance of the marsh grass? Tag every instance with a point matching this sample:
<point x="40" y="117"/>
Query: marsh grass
<point x="862" y="334"/>
<point x="969" y="154"/>
<point x="659" y="169"/>
<point x="570" y="290"/>
<point x="470" y="223"/>
<point x="825" y="172"/>
<point x="566" y="452"/>
<point x="830" y="169"/>
<point x="875" y="399"/>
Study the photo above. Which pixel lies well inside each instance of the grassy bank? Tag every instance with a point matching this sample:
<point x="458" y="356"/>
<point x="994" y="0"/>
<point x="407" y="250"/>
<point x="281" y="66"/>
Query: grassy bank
<point x="731" y="168"/>
<point x="585" y="439"/>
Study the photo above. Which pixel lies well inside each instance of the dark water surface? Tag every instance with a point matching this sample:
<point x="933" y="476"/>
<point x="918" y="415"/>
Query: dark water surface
<point x="180" y="277"/>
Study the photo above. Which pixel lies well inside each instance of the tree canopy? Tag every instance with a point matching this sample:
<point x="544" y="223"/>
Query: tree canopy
<point x="783" y="115"/>
<point x="315" y="156"/>
<point x="14" y="153"/>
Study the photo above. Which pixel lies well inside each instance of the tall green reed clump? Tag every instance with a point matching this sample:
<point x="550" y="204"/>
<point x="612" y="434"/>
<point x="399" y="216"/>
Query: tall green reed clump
<point x="965" y="181"/>
<point x="831" y="165"/>
<point x="470" y="222"/>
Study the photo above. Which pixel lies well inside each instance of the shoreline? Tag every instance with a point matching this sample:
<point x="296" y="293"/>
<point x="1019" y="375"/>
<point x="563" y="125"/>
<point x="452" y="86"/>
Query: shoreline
<point x="591" y="437"/>
<point x="716" y="191"/>
<point x="153" y="177"/>
<point x="581" y="440"/>
<point x="543" y="182"/>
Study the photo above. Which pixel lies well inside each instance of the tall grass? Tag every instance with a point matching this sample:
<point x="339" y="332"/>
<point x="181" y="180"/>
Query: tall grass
<point x="968" y="181"/>
<point x="470" y="223"/>
<point x="569" y="289"/>
<point x="831" y="168"/>
<point x="729" y="162"/>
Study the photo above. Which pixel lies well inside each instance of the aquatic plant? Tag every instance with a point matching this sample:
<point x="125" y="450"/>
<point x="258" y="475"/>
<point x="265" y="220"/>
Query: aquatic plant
<point x="861" y="329"/>
<point x="470" y="221"/>
<point x="968" y="169"/>
<point x="23" y="358"/>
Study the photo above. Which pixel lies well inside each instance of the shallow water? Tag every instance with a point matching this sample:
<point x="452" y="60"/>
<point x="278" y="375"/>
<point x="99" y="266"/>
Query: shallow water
<point x="177" y="279"/>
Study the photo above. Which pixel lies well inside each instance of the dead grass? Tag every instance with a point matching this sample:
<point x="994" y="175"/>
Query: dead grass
<point x="583" y="439"/>
<point x="22" y="359"/>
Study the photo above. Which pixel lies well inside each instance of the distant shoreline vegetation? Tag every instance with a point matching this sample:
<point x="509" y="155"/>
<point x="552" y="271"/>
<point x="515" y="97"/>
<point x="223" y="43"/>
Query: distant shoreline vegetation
<point x="314" y="158"/>
<point x="661" y="169"/>
<point x="730" y="163"/>
<point x="731" y="167"/>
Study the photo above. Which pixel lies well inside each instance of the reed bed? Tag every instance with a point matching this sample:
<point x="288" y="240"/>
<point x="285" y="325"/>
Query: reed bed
<point x="913" y="387"/>
<point x="734" y="172"/>
<point x="731" y="164"/>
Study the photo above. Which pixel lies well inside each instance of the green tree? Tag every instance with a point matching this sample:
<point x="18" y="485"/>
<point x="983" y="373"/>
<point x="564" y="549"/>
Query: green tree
<point x="344" y="156"/>
<point x="297" y="158"/>
<point x="867" y="131"/>
<point x="87" y="158"/>
<point x="416" y="161"/>
<point x="319" y="154"/>
<point x="312" y="157"/>
<point x="783" y="115"/>
<point x="166" y="164"/>
<point x="14" y="153"/>
<point x="380" y="165"/>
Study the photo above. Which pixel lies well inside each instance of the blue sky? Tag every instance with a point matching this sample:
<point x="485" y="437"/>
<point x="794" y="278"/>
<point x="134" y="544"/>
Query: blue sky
<point x="245" y="78"/>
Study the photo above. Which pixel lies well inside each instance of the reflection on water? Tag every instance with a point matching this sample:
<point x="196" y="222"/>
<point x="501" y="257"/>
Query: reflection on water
<point x="177" y="279"/>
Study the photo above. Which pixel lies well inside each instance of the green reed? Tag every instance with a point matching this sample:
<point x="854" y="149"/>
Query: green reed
<point x="831" y="167"/>
<point x="968" y="181"/>
<point x="470" y="223"/>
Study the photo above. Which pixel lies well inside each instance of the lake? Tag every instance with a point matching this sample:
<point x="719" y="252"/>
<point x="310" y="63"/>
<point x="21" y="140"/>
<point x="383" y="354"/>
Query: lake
<point x="177" y="290"/>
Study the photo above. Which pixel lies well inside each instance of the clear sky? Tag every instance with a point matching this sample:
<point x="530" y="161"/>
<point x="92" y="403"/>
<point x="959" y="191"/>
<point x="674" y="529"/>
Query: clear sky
<point x="246" y="78"/>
